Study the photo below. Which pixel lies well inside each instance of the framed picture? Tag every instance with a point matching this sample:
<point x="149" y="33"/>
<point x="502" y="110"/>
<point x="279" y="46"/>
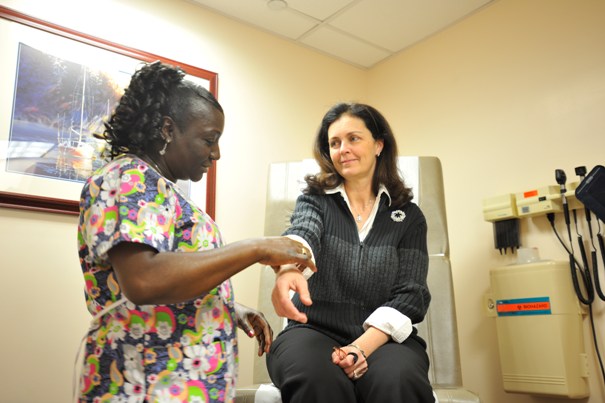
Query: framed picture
<point x="59" y="86"/>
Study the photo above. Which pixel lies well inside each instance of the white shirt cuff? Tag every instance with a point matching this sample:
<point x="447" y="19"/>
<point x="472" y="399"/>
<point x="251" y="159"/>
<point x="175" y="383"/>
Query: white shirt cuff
<point x="391" y="322"/>
<point x="307" y="273"/>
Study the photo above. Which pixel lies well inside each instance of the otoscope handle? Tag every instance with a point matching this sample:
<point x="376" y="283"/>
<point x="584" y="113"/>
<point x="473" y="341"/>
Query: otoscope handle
<point x="601" y="246"/>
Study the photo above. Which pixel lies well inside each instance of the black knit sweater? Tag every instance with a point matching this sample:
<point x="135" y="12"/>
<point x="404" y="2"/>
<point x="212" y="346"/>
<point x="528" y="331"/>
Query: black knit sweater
<point x="389" y="268"/>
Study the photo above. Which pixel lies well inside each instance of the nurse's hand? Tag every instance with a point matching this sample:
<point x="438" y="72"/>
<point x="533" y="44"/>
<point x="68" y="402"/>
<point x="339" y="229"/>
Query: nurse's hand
<point x="253" y="323"/>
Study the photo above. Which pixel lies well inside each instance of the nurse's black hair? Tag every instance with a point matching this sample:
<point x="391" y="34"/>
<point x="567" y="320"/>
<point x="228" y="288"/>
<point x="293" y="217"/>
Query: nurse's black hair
<point x="155" y="91"/>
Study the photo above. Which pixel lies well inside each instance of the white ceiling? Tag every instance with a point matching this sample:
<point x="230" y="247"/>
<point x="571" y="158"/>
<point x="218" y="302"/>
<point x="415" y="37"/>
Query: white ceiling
<point x="359" y="32"/>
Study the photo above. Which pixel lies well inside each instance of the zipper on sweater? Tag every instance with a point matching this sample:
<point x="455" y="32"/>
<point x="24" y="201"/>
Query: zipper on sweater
<point x="360" y="254"/>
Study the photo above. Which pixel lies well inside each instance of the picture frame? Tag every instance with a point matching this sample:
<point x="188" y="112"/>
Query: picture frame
<point x="38" y="169"/>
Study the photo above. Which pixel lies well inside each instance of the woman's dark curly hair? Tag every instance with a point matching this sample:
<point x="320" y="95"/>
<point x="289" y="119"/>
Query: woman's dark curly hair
<point x="156" y="90"/>
<point x="386" y="173"/>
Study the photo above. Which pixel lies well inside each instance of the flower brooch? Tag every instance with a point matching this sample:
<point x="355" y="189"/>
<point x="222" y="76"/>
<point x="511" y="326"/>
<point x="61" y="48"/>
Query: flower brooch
<point x="397" y="216"/>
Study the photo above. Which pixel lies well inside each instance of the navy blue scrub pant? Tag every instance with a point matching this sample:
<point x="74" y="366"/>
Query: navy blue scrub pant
<point x="300" y="365"/>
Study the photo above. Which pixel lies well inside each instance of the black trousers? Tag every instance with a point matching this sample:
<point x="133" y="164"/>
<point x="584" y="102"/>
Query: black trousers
<point x="300" y="365"/>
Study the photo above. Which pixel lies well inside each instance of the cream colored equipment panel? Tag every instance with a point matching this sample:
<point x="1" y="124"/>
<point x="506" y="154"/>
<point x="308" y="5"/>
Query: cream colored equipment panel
<point x="539" y="322"/>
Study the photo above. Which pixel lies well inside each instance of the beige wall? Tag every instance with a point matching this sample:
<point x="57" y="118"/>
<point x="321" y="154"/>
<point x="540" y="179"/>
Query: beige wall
<point x="503" y="98"/>
<point x="273" y="93"/>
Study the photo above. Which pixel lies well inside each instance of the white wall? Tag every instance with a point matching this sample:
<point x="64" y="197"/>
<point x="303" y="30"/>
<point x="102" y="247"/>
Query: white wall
<point x="503" y="98"/>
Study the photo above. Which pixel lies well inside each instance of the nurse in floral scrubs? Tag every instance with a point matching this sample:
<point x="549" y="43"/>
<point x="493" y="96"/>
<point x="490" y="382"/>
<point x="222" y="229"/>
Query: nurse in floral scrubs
<point x="156" y="266"/>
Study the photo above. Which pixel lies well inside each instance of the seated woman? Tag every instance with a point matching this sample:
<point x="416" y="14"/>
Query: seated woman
<point x="369" y="241"/>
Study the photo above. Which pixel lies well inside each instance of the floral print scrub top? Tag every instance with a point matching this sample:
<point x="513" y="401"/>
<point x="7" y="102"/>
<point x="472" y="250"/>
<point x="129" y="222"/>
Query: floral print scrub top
<point x="185" y="352"/>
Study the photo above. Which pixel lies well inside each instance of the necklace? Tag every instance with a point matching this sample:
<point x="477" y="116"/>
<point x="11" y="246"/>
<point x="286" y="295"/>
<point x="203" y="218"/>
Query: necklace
<point x="359" y="217"/>
<point x="153" y="164"/>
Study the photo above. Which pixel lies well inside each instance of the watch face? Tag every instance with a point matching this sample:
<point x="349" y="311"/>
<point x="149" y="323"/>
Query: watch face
<point x="591" y="191"/>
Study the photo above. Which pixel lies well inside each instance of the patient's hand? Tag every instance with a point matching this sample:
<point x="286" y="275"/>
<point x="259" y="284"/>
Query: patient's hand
<point x="351" y="360"/>
<point x="286" y="280"/>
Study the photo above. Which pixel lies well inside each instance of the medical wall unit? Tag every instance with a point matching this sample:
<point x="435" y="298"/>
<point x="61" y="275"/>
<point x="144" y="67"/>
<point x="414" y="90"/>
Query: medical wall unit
<point x="539" y="323"/>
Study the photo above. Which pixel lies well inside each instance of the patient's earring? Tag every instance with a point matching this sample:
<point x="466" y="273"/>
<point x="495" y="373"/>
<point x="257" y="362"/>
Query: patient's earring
<point x="163" y="150"/>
